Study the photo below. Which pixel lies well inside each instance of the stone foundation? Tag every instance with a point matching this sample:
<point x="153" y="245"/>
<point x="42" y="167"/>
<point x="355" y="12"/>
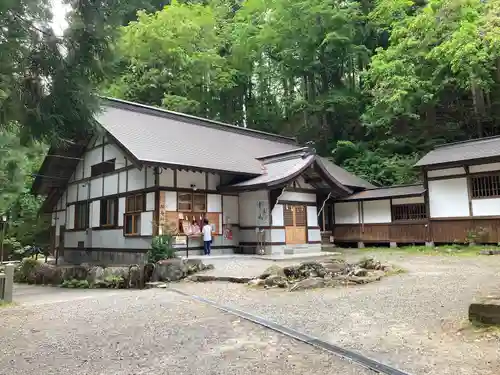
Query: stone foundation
<point x="101" y="256"/>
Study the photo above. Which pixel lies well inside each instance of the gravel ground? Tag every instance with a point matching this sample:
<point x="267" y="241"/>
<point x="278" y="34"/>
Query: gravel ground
<point x="410" y="321"/>
<point x="145" y="332"/>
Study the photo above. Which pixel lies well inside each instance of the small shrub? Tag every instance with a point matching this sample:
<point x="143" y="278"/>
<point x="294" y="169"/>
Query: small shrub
<point x="161" y="248"/>
<point x="74" y="283"/>
<point x="24" y="272"/>
<point x="116" y="282"/>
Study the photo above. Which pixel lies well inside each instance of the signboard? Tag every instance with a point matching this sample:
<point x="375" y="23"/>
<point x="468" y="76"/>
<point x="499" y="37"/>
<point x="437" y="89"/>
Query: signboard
<point x="262" y="213"/>
<point x="179" y="240"/>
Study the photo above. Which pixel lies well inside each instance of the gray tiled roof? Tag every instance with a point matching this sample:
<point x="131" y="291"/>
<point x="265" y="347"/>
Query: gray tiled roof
<point x="462" y="151"/>
<point x="344" y="177"/>
<point x="279" y="170"/>
<point x="157" y="136"/>
<point x="387" y="192"/>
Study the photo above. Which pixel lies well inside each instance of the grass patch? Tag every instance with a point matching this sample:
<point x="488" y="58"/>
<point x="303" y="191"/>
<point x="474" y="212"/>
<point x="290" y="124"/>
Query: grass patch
<point x="444" y="250"/>
<point x="7" y="304"/>
<point x="476" y="330"/>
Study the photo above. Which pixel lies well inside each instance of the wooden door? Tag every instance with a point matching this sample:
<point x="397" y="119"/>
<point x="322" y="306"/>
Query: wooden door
<point x="295" y="224"/>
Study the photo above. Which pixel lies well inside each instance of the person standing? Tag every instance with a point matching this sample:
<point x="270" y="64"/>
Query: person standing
<point x="207" y="237"/>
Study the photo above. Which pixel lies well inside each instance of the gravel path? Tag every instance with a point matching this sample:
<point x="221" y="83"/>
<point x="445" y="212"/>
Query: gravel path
<point x="410" y="321"/>
<point x="146" y="332"/>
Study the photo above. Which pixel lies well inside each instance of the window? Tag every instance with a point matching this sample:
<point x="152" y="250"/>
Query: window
<point x="101" y="168"/>
<point x="409" y="212"/>
<point x="133" y="208"/>
<point x="81" y="215"/>
<point x="485" y="186"/>
<point x="109" y="212"/>
<point x="191" y="202"/>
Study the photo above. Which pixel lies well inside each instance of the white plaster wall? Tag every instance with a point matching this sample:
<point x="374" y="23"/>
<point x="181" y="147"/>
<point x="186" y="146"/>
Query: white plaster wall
<point x="248" y="235"/>
<point x="298" y="197"/>
<point x="122" y="182"/>
<point x="484" y="168"/>
<point x="150" y="177"/>
<point x="248" y="207"/>
<point x="170" y="200"/>
<point x="79" y="170"/>
<point x="113" y="152"/>
<point x="135" y="179"/>
<point x="71" y="217"/>
<point x="313" y="235"/>
<point x="147" y="223"/>
<point x="166" y="177"/>
<point x="312" y="216"/>
<point x="150" y="201"/>
<point x="278" y="235"/>
<point x="60" y="219"/>
<point x="83" y="191"/>
<point x="448" y="198"/>
<point x="346" y="213"/>
<point x="377" y="211"/>
<point x="409" y="200"/>
<point x="91" y="158"/>
<point x="71" y="239"/>
<point x="213" y="181"/>
<point x="110" y="184"/>
<point x="486" y="207"/>
<point x="187" y="178"/>
<point x="277" y="215"/>
<point x="72" y="191"/>
<point x="95" y="212"/>
<point x="214" y="203"/>
<point x="230" y="209"/>
<point x="95" y="188"/>
<point x="121" y="211"/>
<point x="446" y="172"/>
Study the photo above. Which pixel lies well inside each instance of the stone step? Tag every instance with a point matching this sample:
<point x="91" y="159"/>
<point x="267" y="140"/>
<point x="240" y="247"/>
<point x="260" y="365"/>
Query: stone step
<point x="300" y="250"/>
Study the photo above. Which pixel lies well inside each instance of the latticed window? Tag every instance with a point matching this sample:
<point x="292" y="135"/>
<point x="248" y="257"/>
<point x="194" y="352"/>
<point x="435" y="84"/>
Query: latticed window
<point x="133" y="208"/>
<point x="485" y="186"/>
<point x="414" y="211"/>
<point x="294" y="215"/>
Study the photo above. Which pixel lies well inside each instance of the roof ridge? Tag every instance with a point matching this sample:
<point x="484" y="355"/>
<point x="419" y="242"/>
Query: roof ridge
<point x="466" y="141"/>
<point x="200" y="120"/>
<point x="394" y="186"/>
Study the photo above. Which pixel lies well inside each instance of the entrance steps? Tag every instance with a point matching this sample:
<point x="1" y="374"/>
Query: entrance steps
<point x="302" y="249"/>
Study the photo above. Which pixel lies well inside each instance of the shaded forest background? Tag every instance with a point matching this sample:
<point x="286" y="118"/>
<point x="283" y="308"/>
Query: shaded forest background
<point x="372" y="83"/>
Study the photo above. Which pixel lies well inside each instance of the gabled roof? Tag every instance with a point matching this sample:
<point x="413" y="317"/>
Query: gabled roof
<point x="462" y="151"/>
<point x="280" y="169"/>
<point x="387" y="192"/>
<point x="344" y="177"/>
<point x="156" y="136"/>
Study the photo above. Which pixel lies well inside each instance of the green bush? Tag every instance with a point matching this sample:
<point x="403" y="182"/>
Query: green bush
<point x="161" y="248"/>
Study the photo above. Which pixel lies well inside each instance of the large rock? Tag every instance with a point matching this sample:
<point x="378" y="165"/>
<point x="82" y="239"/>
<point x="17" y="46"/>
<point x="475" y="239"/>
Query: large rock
<point x="486" y="310"/>
<point x="45" y="274"/>
<point x="311" y="269"/>
<point x="95" y="274"/>
<point x="335" y="266"/>
<point x="316" y="282"/>
<point x="135" y="277"/>
<point x="272" y="271"/>
<point x="170" y="270"/>
<point x="276" y="280"/>
<point x="370" y="264"/>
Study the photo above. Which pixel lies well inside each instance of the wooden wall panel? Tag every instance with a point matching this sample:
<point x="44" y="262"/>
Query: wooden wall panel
<point x="408" y="232"/>
<point x="375" y="232"/>
<point x="346" y="232"/>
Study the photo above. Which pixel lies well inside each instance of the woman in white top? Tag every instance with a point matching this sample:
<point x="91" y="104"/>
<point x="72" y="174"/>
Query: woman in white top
<point x="207" y="237"/>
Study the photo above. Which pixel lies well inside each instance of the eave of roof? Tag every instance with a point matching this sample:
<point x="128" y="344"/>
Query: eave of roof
<point x="474" y="149"/>
<point x="398" y="191"/>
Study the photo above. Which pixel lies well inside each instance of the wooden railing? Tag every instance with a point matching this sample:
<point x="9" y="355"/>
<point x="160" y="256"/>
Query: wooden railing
<point x="7" y="283"/>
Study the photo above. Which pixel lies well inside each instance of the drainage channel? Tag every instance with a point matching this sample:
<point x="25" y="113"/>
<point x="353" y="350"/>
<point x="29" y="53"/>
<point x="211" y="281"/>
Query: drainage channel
<point x="366" y="362"/>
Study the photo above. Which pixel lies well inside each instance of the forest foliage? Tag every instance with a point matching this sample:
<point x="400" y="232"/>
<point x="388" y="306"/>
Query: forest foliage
<point x="372" y="83"/>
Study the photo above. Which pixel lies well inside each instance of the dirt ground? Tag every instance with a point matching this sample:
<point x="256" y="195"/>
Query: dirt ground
<point x="413" y="321"/>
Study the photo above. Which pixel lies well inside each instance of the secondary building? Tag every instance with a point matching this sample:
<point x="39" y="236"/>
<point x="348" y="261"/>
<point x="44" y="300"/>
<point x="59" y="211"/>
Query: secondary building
<point x="148" y="171"/>
<point x="458" y="202"/>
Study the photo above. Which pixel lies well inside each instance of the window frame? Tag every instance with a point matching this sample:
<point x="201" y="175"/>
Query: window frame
<point x="109" y="213"/>
<point x="191" y="202"/>
<point x="82" y="206"/>
<point x="485" y="185"/>
<point x="104" y="167"/>
<point x="134" y="206"/>
<point x="412" y="211"/>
